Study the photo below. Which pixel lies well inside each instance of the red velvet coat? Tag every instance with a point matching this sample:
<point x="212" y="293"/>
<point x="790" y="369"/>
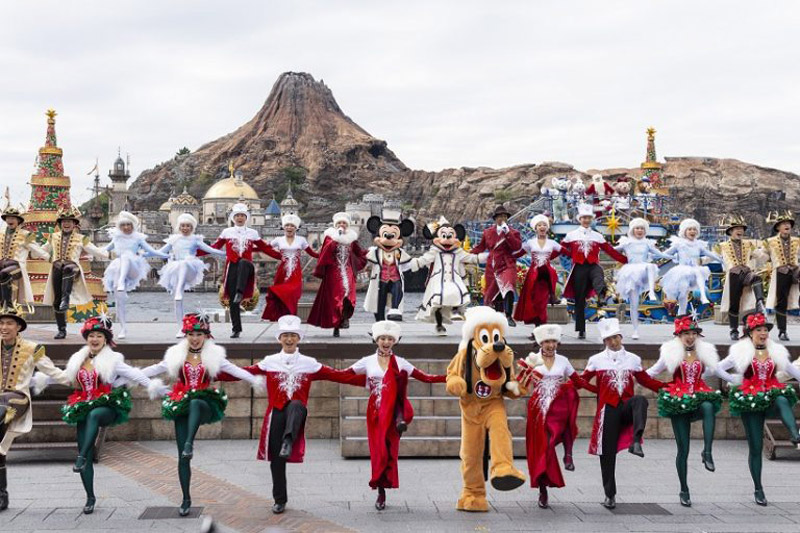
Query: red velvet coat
<point x="237" y="249"/>
<point x="339" y="260"/>
<point x="584" y="247"/>
<point x="501" y="266"/>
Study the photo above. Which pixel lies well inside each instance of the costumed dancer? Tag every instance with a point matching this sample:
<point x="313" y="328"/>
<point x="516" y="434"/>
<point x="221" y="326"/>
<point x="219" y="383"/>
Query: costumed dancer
<point x="388" y="261"/>
<point x="18" y="357"/>
<point x="687" y="275"/>
<point x="289" y="377"/>
<point x="481" y="374"/>
<point x="239" y="286"/>
<point x="340" y="259"/>
<point x="552" y="410"/>
<point x="687" y="398"/>
<point x="100" y="399"/>
<point x="445" y="290"/>
<point x="129" y="268"/>
<point x="184" y="270"/>
<point x="621" y="416"/>
<point x="287" y="287"/>
<point x="583" y="245"/>
<point x="388" y="412"/>
<point x="501" y="242"/>
<point x="744" y="288"/>
<point x="193" y="364"/>
<point x="539" y="288"/>
<point x="15" y="245"/>
<point x="783" y="250"/>
<point x="754" y="361"/>
<point x="639" y="273"/>
<point x="66" y="282"/>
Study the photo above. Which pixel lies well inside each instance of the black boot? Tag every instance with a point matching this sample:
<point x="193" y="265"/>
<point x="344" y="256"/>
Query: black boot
<point x="758" y="292"/>
<point x="733" y="321"/>
<point x="61" y="322"/>
<point x="440" y="329"/>
<point x="3" y="488"/>
<point x="5" y="293"/>
<point x="66" y="292"/>
<point x="286" y="448"/>
<point x="780" y="318"/>
<point x="508" y="304"/>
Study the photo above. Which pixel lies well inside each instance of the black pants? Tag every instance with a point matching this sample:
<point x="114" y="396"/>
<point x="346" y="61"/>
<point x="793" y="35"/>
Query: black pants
<point x="385" y="288"/>
<point x="585" y="276"/>
<point x="504" y="304"/>
<point x="62" y="274"/>
<point x="632" y="411"/>
<point x="782" y="290"/>
<point x="237" y="280"/>
<point x="737" y="283"/>
<point x="9" y="272"/>
<point x="286" y="422"/>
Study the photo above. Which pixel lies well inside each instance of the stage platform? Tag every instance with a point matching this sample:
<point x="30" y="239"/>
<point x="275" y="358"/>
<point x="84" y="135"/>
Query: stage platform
<point x="148" y="340"/>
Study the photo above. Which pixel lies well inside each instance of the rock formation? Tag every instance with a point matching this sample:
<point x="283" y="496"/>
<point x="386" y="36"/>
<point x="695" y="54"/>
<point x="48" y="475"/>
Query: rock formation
<point x="301" y="132"/>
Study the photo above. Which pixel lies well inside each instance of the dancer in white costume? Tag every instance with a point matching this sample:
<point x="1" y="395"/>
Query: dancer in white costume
<point x="687" y="275"/>
<point x="184" y="269"/>
<point x="129" y="268"/>
<point x="639" y="273"/>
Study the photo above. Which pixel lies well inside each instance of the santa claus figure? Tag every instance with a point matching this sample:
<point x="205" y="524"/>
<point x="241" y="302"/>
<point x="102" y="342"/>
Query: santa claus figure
<point x="600" y="192"/>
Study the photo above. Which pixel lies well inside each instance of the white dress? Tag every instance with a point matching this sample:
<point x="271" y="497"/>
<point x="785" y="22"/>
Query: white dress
<point x="633" y="276"/>
<point x="682" y="278"/>
<point x="127" y="247"/>
<point x="183" y="252"/>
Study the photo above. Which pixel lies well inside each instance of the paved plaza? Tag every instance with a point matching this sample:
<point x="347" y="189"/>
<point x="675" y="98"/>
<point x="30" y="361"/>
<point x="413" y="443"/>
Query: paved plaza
<point x="328" y="493"/>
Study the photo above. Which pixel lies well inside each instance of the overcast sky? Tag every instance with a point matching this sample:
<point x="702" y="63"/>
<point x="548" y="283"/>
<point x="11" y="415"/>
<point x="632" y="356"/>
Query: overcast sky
<point x="447" y="84"/>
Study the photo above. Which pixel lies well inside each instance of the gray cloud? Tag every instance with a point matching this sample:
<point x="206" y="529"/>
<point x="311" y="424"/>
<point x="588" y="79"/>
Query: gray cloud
<point x="445" y="83"/>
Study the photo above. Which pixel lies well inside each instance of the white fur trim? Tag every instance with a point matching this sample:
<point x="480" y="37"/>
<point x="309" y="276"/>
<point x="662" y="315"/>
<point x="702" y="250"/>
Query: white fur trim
<point x="239" y="209"/>
<point x="289" y="324"/>
<point x="672" y="352"/>
<point x="211" y="356"/>
<point x="584" y="210"/>
<point x="638" y="223"/>
<point x="686" y="224"/>
<point x="105" y="364"/>
<point x="608" y="327"/>
<point x="126" y="217"/>
<point x="388" y="328"/>
<point x="342" y="238"/>
<point x="743" y="351"/>
<point x="294" y="220"/>
<point x="187" y="218"/>
<point x="547" y="332"/>
<point x="539" y="218"/>
<point x="480" y="315"/>
<point x="39" y="382"/>
<point x="154" y="388"/>
<point x="342" y="216"/>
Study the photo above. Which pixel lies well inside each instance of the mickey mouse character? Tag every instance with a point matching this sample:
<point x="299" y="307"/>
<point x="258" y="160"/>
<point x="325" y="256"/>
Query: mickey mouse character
<point x="445" y="289"/>
<point x="388" y="261"/>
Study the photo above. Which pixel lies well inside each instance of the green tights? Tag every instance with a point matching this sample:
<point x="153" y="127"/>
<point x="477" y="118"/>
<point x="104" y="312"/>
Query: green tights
<point x="185" y="430"/>
<point x="681" y="427"/>
<point x="754" y="431"/>
<point x="87" y="435"/>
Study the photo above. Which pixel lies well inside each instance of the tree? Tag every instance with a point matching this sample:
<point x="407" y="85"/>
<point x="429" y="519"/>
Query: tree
<point x="182" y="151"/>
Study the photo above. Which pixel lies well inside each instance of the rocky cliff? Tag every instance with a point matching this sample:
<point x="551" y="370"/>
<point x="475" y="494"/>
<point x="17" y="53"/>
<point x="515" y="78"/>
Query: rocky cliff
<point x="300" y="133"/>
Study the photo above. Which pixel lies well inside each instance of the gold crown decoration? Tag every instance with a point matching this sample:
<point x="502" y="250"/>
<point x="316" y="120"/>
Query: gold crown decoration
<point x="776" y="217"/>
<point x="12" y="212"/>
<point x="70" y="212"/>
<point x="732" y="221"/>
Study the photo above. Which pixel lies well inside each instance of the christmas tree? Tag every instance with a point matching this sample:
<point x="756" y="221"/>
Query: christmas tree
<point x="651" y="167"/>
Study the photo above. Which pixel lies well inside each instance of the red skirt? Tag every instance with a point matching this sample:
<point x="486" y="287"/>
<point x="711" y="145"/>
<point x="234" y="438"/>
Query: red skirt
<point x="283" y="295"/>
<point x="540" y="283"/>
<point x="543" y="434"/>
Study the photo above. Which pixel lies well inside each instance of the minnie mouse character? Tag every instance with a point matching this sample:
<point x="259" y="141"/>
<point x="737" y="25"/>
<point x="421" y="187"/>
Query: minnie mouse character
<point x="445" y="289"/>
<point x="388" y="261"/>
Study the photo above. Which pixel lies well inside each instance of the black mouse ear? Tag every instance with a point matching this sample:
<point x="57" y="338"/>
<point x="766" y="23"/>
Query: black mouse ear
<point x="461" y="232"/>
<point x="426" y="232"/>
<point x="374" y="224"/>
<point x="406" y="227"/>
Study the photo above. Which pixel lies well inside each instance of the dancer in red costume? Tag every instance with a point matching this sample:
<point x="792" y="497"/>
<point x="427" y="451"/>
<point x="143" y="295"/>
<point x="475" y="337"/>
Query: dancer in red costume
<point x="287" y="288"/>
<point x="239" y="243"/>
<point x="389" y="412"/>
<point x="340" y="259"/>
<point x="289" y="377"/>
<point x="552" y="410"/>
<point x="539" y="288"/>
<point x="502" y="243"/>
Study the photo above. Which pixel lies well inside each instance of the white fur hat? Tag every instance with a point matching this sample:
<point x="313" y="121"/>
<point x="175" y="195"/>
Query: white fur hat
<point x="584" y="210"/>
<point x="294" y="220"/>
<point x="638" y="223"/>
<point x="342" y="216"/>
<point x="539" y="218"/>
<point x="125" y="217"/>
<point x="289" y="324"/>
<point x="686" y="224"/>
<point x="386" y="327"/>
<point x="239" y="209"/>
<point x="547" y="332"/>
<point x="481" y="315"/>
<point x="186" y="218"/>
<point x="608" y="327"/>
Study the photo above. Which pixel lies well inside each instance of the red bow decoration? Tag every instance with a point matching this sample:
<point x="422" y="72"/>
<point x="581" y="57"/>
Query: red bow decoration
<point x="683" y="324"/>
<point x="756" y="320"/>
<point x="179" y="390"/>
<point x="84" y="396"/>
